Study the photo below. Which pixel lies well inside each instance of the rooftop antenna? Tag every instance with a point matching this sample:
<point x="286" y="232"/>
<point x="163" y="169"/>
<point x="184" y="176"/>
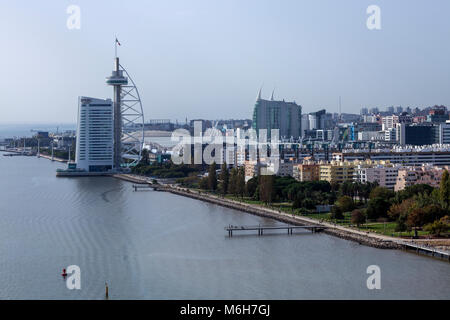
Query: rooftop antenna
<point x="115" y="47"/>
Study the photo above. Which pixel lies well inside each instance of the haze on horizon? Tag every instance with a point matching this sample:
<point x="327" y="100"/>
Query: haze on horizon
<point x="207" y="59"/>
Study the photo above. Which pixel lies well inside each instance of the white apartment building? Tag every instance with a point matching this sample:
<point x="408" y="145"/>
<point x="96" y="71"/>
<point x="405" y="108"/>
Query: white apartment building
<point x="390" y="134"/>
<point x="386" y="176"/>
<point x="94" y="146"/>
<point x="388" y="122"/>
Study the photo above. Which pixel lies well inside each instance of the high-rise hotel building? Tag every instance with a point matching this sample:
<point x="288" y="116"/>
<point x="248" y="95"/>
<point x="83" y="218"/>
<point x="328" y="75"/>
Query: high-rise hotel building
<point x="94" y="149"/>
<point x="271" y="114"/>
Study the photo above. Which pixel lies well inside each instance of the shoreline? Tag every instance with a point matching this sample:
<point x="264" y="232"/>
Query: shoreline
<point x="50" y="158"/>
<point x="331" y="229"/>
<point x="362" y="237"/>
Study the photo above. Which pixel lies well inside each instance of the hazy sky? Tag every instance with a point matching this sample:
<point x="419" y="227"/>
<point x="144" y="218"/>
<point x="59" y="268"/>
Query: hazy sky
<point x="207" y="59"/>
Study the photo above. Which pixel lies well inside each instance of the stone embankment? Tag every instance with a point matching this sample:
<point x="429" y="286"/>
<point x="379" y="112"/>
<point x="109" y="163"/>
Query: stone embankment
<point x="364" y="238"/>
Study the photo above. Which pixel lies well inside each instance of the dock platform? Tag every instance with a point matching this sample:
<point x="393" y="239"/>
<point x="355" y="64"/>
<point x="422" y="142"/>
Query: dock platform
<point x="421" y="249"/>
<point x="261" y="229"/>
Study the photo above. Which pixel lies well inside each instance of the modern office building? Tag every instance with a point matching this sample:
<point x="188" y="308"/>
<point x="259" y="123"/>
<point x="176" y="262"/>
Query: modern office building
<point x="94" y="146"/>
<point x="282" y="115"/>
<point x="444" y="132"/>
<point x="317" y="120"/>
<point x="390" y="134"/>
<point x="417" y="135"/>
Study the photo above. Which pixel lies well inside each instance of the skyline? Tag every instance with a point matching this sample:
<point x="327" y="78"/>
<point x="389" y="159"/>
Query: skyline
<point x="208" y="60"/>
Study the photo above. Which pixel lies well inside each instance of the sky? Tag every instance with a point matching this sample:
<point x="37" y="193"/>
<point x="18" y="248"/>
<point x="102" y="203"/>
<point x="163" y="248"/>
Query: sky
<point x="208" y="58"/>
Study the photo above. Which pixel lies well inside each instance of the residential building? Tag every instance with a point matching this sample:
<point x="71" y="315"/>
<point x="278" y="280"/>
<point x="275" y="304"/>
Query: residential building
<point x="306" y="171"/>
<point x="336" y="171"/>
<point x="382" y="172"/>
<point x="408" y="156"/>
<point x="425" y="174"/>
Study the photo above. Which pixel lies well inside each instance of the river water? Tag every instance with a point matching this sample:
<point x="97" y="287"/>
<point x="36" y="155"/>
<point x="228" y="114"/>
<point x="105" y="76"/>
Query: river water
<point x="156" y="245"/>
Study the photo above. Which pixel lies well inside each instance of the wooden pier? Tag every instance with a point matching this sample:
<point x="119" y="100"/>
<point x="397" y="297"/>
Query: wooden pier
<point x="141" y="187"/>
<point x="261" y="229"/>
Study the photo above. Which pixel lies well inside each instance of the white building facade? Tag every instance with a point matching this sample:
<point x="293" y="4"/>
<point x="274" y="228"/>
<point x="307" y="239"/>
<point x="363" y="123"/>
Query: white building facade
<point x="94" y="147"/>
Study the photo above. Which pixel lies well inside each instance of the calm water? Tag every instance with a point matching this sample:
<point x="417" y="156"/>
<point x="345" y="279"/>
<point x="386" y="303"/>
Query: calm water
<point x="151" y="245"/>
<point x="28" y="130"/>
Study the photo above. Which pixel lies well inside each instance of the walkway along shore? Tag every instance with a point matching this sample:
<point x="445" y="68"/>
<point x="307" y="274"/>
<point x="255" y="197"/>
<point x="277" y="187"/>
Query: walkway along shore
<point x="362" y="237"/>
<point x="370" y="239"/>
<point x="373" y="240"/>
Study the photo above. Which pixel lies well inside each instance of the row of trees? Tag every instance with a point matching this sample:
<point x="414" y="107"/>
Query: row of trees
<point x="229" y="181"/>
<point x="416" y="207"/>
<point x="270" y="188"/>
<point x="166" y="169"/>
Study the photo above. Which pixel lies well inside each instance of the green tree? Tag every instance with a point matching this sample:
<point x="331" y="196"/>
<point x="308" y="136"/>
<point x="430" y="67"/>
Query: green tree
<point x="232" y="186"/>
<point x="203" y="183"/>
<point x="416" y="218"/>
<point x="250" y="187"/>
<point x="212" y="178"/>
<point x="396" y="210"/>
<point x="224" y="178"/>
<point x="439" y="226"/>
<point x="358" y="217"/>
<point x="345" y="203"/>
<point x="266" y="188"/>
<point x="377" y="207"/>
<point x="240" y="182"/>
<point x="297" y="204"/>
<point x="336" y="213"/>
<point x="145" y="159"/>
<point x="444" y="190"/>
<point x="381" y="192"/>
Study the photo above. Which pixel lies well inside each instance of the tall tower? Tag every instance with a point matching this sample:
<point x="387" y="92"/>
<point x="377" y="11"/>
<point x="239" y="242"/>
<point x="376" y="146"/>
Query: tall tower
<point x="117" y="80"/>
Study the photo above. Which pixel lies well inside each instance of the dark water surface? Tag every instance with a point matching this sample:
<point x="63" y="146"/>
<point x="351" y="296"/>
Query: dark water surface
<point x="155" y="245"/>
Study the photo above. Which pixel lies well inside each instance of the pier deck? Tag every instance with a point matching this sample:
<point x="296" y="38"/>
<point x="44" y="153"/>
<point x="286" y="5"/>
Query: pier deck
<point x="425" y="249"/>
<point x="261" y="229"/>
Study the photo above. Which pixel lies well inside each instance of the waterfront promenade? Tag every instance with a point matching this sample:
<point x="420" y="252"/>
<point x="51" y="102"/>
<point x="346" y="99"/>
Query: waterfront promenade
<point x="348" y="233"/>
<point x="362" y="237"/>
